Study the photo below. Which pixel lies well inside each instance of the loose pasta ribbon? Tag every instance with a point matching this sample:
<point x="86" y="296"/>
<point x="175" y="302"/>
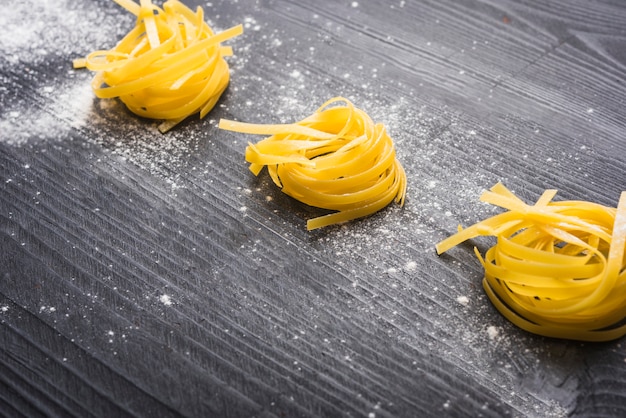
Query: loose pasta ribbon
<point x="169" y="66"/>
<point x="558" y="269"/>
<point x="335" y="159"/>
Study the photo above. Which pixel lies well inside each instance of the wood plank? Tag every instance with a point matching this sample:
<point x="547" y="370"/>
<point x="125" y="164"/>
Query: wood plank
<point x="153" y="275"/>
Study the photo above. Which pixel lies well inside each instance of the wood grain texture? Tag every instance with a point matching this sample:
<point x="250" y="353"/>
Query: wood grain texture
<point x="153" y="275"/>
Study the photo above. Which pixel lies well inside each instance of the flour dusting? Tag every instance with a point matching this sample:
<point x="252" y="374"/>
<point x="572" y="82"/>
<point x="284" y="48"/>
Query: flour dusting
<point x="165" y="300"/>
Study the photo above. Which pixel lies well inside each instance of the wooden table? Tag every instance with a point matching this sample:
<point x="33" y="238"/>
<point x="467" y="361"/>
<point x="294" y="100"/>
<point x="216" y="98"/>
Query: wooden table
<point x="154" y="275"/>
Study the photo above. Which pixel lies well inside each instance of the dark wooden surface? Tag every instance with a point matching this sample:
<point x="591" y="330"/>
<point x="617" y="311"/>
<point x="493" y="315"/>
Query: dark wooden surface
<point x="154" y="275"/>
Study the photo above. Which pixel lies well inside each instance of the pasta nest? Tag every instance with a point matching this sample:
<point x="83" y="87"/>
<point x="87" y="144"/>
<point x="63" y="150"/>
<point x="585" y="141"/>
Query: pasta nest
<point x="558" y="269"/>
<point x="169" y="66"/>
<point x="335" y="159"/>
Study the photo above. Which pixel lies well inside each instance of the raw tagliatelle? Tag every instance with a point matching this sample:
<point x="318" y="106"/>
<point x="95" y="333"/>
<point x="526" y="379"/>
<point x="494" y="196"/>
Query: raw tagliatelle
<point x="169" y="66"/>
<point x="335" y="159"/>
<point x="558" y="269"/>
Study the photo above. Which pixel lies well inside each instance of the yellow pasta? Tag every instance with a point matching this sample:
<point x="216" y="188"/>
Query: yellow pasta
<point x="169" y="66"/>
<point x="335" y="159"/>
<point x="558" y="269"/>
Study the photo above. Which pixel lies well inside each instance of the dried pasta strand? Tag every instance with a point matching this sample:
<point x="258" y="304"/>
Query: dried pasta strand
<point x="169" y="66"/>
<point x="335" y="159"/>
<point x="558" y="269"/>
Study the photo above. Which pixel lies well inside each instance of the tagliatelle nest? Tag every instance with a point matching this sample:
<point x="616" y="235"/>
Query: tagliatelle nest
<point x="169" y="66"/>
<point x="558" y="269"/>
<point x="335" y="159"/>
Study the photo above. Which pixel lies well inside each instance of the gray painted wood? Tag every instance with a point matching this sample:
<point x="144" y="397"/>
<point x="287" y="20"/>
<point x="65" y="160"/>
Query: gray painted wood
<point x="153" y="275"/>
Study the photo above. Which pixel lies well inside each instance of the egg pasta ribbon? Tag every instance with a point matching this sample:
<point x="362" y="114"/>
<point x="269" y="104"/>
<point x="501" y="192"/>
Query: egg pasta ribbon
<point x="558" y="268"/>
<point x="336" y="159"/>
<point x="169" y="66"/>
